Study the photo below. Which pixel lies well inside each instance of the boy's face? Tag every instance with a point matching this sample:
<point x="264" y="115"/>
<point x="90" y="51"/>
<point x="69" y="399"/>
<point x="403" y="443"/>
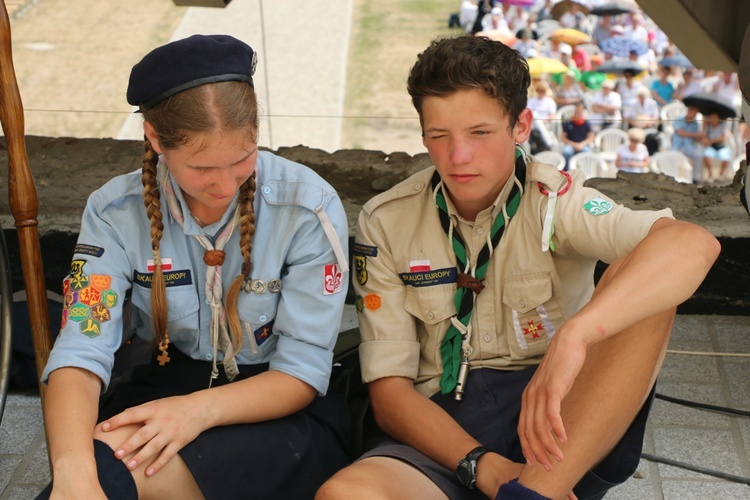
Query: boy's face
<point x="468" y="137"/>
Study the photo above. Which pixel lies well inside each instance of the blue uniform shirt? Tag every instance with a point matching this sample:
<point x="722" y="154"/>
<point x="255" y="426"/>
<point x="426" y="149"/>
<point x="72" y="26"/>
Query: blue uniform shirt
<point x="293" y="328"/>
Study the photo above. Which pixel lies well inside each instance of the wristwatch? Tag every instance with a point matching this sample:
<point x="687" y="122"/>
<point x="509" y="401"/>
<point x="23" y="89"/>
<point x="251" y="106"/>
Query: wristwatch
<point x="466" y="470"/>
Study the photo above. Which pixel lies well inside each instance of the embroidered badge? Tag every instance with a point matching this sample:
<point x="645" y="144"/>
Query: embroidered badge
<point x="598" y="206"/>
<point x="360" y="303"/>
<point x="533" y="329"/>
<point x="430" y="278"/>
<point x="417" y="266"/>
<point x="360" y="263"/>
<point x="372" y="302"/>
<point x="262" y="333"/>
<point x="333" y="279"/>
<point x="275" y="285"/>
<point x="88" y="250"/>
<point x="166" y="265"/>
<point x="76" y="267"/>
<point x="88" y="300"/>
<point x="364" y="250"/>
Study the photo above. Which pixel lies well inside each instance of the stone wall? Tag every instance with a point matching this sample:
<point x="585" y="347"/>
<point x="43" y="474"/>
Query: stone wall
<point x="66" y="170"/>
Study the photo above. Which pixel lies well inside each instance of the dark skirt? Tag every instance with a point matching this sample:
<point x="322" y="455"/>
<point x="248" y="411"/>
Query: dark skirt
<point x="290" y="457"/>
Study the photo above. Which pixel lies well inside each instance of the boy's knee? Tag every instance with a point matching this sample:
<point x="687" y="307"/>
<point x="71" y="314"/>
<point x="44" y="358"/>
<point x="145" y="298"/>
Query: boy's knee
<point x="340" y="486"/>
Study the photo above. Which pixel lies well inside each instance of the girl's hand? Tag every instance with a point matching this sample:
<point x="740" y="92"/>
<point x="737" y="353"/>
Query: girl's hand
<point x="167" y="425"/>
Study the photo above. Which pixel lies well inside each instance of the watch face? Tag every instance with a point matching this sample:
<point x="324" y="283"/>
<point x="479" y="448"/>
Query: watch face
<point x="464" y="473"/>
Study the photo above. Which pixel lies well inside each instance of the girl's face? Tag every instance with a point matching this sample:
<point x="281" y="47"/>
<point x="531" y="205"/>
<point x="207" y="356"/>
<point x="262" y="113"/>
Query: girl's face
<point x="210" y="167"/>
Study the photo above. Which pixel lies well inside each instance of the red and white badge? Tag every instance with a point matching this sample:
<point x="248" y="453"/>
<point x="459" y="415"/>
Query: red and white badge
<point x="419" y="266"/>
<point x="333" y="280"/>
<point x="166" y="265"/>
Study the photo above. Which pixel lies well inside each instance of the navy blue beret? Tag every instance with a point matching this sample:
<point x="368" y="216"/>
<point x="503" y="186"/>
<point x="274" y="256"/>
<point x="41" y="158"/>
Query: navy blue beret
<point x="187" y="63"/>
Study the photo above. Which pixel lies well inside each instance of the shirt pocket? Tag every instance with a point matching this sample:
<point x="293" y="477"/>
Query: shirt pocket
<point x="433" y="306"/>
<point x="531" y="314"/>
<point x="182" y="310"/>
<point x="257" y="314"/>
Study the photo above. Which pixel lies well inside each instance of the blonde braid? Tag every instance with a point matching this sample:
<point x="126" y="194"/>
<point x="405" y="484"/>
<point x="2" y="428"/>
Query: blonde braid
<point x="247" y="230"/>
<point x="151" y="198"/>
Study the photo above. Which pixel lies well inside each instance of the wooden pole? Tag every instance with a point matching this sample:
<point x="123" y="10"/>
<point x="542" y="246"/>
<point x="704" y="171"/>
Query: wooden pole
<point x="23" y="200"/>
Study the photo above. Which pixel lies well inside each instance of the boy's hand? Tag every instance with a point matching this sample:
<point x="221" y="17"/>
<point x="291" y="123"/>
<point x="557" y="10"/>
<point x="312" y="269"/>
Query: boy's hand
<point x="540" y="426"/>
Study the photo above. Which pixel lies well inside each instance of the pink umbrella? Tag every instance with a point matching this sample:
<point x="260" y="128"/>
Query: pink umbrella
<point x="522" y="3"/>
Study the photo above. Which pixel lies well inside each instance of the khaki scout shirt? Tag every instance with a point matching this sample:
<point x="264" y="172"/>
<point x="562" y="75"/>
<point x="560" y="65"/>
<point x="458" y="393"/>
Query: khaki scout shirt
<point x="406" y="273"/>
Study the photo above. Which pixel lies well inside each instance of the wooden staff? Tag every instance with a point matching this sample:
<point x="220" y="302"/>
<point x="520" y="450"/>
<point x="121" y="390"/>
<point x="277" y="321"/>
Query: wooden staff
<point x="23" y="200"/>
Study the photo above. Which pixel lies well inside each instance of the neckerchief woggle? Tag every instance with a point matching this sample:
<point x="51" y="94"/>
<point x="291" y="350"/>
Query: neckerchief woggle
<point x="470" y="279"/>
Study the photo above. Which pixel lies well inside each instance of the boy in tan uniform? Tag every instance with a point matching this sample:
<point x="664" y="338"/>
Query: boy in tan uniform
<point x="493" y="362"/>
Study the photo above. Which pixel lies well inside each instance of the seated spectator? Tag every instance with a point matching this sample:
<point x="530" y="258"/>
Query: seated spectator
<point x="543" y="108"/>
<point x="574" y="18"/>
<point x="715" y="147"/>
<point x="691" y="83"/>
<point x="633" y="156"/>
<point x="577" y="135"/>
<point x="628" y="87"/>
<point x="526" y="45"/>
<point x="570" y="92"/>
<point x="602" y="30"/>
<point x="661" y="88"/>
<point x="605" y="106"/>
<point x="643" y="112"/>
<point x="581" y="58"/>
<point x="727" y="87"/>
<point x="688" y="139"/>
<point x="593" y="78"/>
<point x="495" y="21"/>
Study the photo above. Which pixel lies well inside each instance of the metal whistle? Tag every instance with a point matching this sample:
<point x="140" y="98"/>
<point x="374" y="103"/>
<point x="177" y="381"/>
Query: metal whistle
<point x="463" y="373"/>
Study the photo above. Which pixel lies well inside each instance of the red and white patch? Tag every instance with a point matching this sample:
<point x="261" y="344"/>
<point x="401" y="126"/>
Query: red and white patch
<point x="333" y="280"/>
<point x="419" y="266"/>
<point x="166" y="265"/>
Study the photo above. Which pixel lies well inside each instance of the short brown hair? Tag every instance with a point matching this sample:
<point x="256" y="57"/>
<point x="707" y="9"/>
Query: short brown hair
<point x="471" y="62"/>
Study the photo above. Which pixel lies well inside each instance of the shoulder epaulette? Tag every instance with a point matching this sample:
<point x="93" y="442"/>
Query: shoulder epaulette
<point x="412" y="186"/>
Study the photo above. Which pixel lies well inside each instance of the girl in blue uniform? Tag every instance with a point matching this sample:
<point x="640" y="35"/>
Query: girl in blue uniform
<point x="234" y="265"/>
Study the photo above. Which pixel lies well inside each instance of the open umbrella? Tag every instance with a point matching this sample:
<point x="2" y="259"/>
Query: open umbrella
<point x="570" y="36"/>
<point x="613" y="8"/>
<point x="534" y="33"/>
<point x="502" y="36"/>
<point x="622" y="46"/>
<point x="545" y="65"/>
<point x="678" y="60"/>
<point x="708" y="103"/>
<point x="617" y="67"/>
<point x="522" y="3"/>
<point x="561" y="8"/>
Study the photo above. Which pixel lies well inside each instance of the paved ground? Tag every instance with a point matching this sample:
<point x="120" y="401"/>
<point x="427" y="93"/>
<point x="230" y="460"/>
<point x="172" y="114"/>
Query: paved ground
<point x="708" y="439"/>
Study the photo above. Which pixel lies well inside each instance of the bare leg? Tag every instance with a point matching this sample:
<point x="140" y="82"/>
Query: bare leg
<point x="377" y="478"/>
<point x="608" y="393"/>
<point x="707" y="165"/>
<point x="723" y="170"/>
<point x="173" y="481"/>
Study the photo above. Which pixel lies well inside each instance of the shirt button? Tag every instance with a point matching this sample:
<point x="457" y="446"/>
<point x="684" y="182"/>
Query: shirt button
<point x="209" y="357"/>
<point x="267" y="189"/>
<point x="487" y="337"/>
<point x="480" y="230"/>
<point x="430" y="315"/>
<point x="262" y="318"/>
<point x="522" y="304"/>
<point x="417" y="187"/>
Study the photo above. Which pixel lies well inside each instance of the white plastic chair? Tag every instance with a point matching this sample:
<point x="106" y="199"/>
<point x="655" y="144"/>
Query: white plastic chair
<point x="674" y="164"/>
<point x="608" y="141"/>
<point x="592" y="164"/>
<point x="551" y="158"/>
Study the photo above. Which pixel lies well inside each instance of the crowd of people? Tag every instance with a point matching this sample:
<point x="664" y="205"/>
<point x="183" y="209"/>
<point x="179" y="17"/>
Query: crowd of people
<point x="624" y="71"/>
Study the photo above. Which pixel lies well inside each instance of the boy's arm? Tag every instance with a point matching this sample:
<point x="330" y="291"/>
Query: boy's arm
<point x="414" y="419"/>
<point x="662" y="271"/>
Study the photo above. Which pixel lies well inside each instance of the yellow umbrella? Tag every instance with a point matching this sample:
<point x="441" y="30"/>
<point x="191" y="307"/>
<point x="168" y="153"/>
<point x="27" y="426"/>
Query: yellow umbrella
<point x="570" y="36"/>
<point x="545" y="65"/>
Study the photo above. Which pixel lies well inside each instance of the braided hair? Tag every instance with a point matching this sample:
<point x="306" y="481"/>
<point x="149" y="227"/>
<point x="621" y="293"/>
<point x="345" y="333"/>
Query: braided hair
<point x="228" y="106"/>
